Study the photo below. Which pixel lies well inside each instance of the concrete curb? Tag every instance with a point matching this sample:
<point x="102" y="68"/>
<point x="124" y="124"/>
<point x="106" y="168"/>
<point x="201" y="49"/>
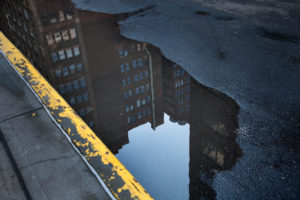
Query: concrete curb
<point x="116" y="179"/>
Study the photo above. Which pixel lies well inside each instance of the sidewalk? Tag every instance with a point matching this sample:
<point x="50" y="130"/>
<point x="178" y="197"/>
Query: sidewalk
<point x="47" y="163"/>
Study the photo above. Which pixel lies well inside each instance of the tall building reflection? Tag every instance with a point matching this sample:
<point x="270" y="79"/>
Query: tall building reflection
<point x="116" y="84"/>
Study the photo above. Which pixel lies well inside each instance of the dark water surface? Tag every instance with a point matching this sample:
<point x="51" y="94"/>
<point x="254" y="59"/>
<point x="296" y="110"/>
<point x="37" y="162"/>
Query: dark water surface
<point x="178" y="137"/>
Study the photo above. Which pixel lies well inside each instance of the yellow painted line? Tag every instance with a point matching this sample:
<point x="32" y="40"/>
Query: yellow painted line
<point x="116" y="177"/>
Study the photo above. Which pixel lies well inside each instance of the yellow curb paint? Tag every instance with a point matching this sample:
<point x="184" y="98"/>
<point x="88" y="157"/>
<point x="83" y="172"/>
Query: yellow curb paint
<point x="54" y="102"/>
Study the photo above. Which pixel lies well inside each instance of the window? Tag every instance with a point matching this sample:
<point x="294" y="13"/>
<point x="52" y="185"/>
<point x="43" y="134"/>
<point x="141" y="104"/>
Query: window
<point x="128" y="120"/>
<point x="65" y="71"/>
<point x="54" y="57"/>
<point x="127" y="66"/>
<point x="149" y="111"/>
<point x="49" y="38"/>
<point x="138" y="103"/>
<point x="69" y="87"/>
<point x="72" y="33"/>
<point x="72" y="68"/>
<point x="26" y="14"/>
<point x="144" y="113"/>
<point x="133" y="48"/>
<point x="125" y="95"/>
<point x="134" y="65"/>
<point x="85" y="97"/>
<point x="187" y="89"/>
<point x="69" y="53"/>
<point x="131" y="107"/>
<point x="129" y="93"/>
<point x="146" y="73"/>
<point x="139" y="116"/>
<point x="148" y="99"/>
<point x="137" y="91"/>
<point x="135" y="78"/>
<point x="79" y="67"/>
<point x="139" y="47"/>
<point x="127" y="108"/>
<point x="69" y="15"/>
<point x="62" y="55"/>
<point x="143" y="101"/>
<point x="76" y="51"/>
<point x="147" y="87"/>
<point x="120" y="52"/>
<point x="79" y="99"/>
<point x="125" y="53"/>
<point x="57" y="37"/>
<point x="58" y="73"/>
<point x="82" y="82"/>
<point x="142" y="88"/>
<point x="82" y="112"/>
<point x="124" y="83"/>
<point x="140" y="62"/>
<point x="53" y="20"/>
<point x="141" y="75"/>
<point x="72" y="101"/>
<point x="76" y="84"/>
<point x="91" y="123"/>
<point x="128" y="80"/>
<point x="61" y="89"/>
<point x="122" y="68"/>
<point x="65" y="35"/>
<point x="61" y="16"/>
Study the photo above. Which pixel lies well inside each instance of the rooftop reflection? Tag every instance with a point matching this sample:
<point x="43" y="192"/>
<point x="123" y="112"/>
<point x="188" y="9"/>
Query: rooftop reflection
<point x="117" y="84"/>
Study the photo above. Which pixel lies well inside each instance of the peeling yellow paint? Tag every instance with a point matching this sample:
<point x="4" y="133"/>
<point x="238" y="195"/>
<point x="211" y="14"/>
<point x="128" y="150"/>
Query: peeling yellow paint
<point x="54" y="102"/>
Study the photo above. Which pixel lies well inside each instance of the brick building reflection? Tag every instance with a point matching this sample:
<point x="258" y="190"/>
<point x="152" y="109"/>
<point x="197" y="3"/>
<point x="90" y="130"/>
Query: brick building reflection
<point x="116" y="84"/>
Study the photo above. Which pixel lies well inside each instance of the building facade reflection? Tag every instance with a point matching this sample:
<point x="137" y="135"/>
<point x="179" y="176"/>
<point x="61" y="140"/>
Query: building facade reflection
<point x="116" y="84"/>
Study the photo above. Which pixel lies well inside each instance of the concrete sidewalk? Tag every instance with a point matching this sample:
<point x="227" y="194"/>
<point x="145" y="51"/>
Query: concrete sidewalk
<point x="44" y="159"/>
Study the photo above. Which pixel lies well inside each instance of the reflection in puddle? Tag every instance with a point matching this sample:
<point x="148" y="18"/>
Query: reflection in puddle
<point x="180" y="132"/>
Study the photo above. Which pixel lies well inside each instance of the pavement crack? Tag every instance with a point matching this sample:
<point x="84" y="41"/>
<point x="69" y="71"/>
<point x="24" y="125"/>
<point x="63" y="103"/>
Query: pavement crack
<point x="21" y="114"/>
<point x="47" y="160"/>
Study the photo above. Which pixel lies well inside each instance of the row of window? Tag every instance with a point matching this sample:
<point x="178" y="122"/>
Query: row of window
<point x="140" y="115"/>
<point x="56" y="17"/>
<point x="136" y="78"/>
<point x="179" y="83"/>
<point x="67" y="70"/>
<point x="139" y="103"/>
<point x="64" y="35"/>
<point x="84" y="111"/>
<point x="138" y="90"/>
<point x="81" y="98"/>
<point x="72" y="86"/>
<point x="178" y="73"/>
<point x="134" y="48"/>
<point x="183" y="109"/>
<point x="139" y="62"/>
<point x="65" y="53"/>
<point x="181" y="100"/>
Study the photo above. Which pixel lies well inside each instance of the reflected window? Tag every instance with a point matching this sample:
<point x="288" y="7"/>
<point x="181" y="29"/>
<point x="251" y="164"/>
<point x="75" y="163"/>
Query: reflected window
<point x="61" y="89"/>
<point x="134" y="64"/>
<point x="65" y="71"/>
<point x="147" y="87"/>
<point x="76" y="85"/>
<point x="143" y="101"/>
<point x="129" y="93"/>
<point x="127" y="66"/>
<point x="137" y="91"/>
<point x="58" y="73"/>
<point x="127" y="108"/>
<point x="138" y="103"/>
<point x="65" y="35"/>
<point x="73" y="33"/>
<point x="72" y="68"/>
<point x="82" y="82"/>
<point x="76" y="50"/>
<point x="140" y="62"/>
<point x="85" y="97"/>
<point x="79" y="67"/>
<point x="54" y="57"/>
<point x="146" y="73"/>
<point x="79" y="99"/>
<point x="72" y="101"/>
<point x="69" y="53"/>
<point x="128" y="80"/>
<point x="69" y="87"/>
<point x="124" y="83"/>
<point x="57" y="37"/>
<point x="122" y="68"/>
<point x="141" y="75"/>
<point x="61" y="55"/>
<point x="50" y="39"/>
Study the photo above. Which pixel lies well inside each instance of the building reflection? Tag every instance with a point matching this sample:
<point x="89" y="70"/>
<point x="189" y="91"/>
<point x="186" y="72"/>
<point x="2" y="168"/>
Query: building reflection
<point x="116" y="84"/>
